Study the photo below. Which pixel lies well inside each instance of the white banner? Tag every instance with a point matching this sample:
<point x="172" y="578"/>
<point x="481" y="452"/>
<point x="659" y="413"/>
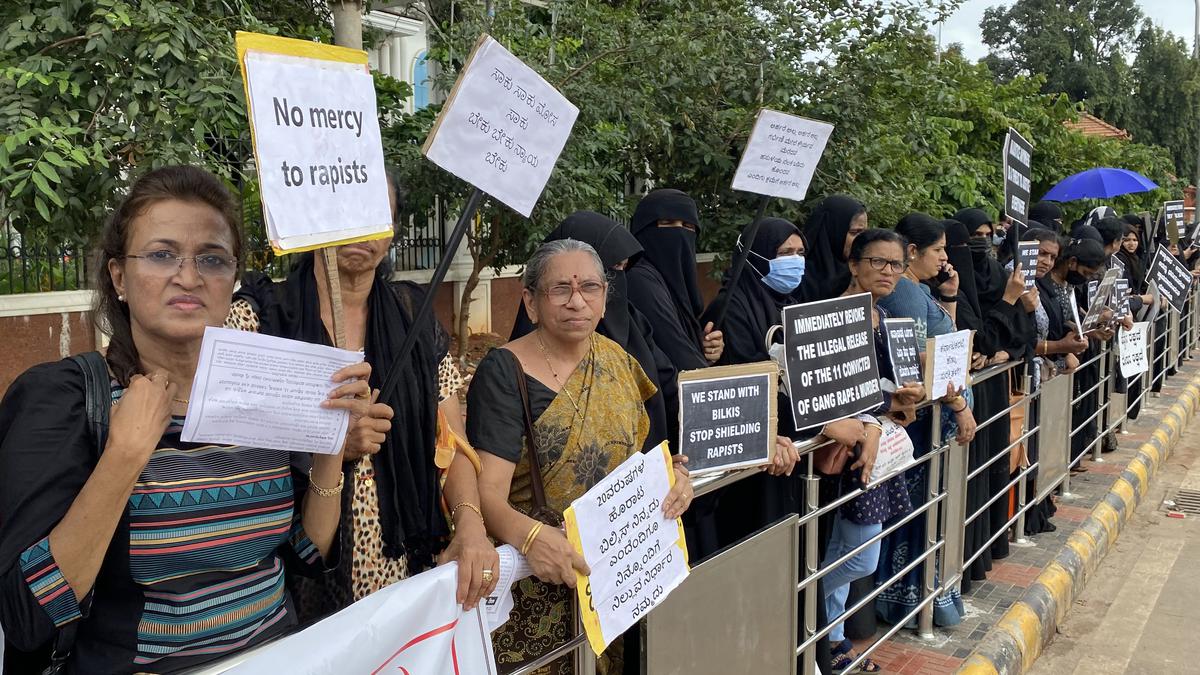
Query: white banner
<point x="1131" y="347"/>
<point x="413" y="626"/>
<point x="781" y="155"/>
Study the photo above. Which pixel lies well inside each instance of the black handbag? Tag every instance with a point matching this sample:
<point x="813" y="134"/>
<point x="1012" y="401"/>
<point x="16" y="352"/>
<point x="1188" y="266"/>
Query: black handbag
<point x="97" y="394"/>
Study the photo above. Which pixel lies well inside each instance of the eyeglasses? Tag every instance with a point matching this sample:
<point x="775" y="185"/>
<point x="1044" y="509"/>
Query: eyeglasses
<point x="879" y="264"/>
<point x="166" y="264"/>
<point x="561" y="294"/>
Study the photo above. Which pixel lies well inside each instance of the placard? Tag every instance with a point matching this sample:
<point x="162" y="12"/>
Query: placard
<point x="781" y="155"/>
<point x="1099" y="301"/>
<point x="1027" y="255"/>
<point x="1175" y="219"/>
<point x="1131" y="349"/>
<point x="896" y="450"/>
<point x="903" y="350"/>
<point x="728" y="417"/>
<point x="1074" y="302"/>
<point x="829" y="359"/>
<point x="502" y="128"/>
<point x="1018" y="154"/>
<point x="1092" y="287"/>
<point x="1172" y="278"/>
<point x="317" y="146"/>
<point x="1120" y="298"/>
<point x="949" y="362"/>
<point x="636" y="555"/>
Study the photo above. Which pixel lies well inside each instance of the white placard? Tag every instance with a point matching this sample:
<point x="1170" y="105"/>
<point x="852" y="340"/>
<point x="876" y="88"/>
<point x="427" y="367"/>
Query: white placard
<point x="503" y="127"/>
<point x="318" y="150"/>
<point x="413" y="626"/>
<point x="949" y="362"/>
<point x="636" y="555"/>
<point x="896" y="450"/>
<point x="1131" y="347"/>
<point x="499" y="605"/>
<point x="781" y="155"/>
<point x="266" y="392"/>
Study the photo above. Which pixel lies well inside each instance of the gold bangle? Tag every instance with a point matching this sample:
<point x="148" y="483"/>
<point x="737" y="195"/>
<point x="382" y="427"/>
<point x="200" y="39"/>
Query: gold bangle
<point x="326" y="492"/>
<point x="533" y="533"/>
<point x="469" y="505"/>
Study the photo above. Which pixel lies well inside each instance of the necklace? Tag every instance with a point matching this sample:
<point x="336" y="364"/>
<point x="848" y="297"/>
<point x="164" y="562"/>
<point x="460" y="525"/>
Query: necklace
<point x="180" y="400"/>
<point x="561" y="385"/>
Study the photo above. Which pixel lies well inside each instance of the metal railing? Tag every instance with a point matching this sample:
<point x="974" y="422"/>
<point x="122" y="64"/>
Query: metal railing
<point x="944" y="555"/>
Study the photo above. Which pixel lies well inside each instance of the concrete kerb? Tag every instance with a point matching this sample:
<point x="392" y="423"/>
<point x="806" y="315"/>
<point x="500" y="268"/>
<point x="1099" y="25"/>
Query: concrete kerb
<point x="1017" y="640"/>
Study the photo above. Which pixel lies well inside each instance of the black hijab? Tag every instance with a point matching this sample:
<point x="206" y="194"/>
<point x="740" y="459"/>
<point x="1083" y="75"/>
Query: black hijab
<point x="959" y="255"/>
<point x="671" y="250"/>
<point x="753" y="306"/>
<point x="410" y="516"/>
<point x="621" y="323"/>
<point x="990" y="278"/>
<point x="826" y="230"/>
<point x="1048" y="213"/>
<point x="1134" y="262"/>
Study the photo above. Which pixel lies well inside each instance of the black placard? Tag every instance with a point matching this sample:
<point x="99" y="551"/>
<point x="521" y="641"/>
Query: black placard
<point x="830" y="359"/>
<point x="1017" y="162"/>
<point x="1172" y="278"/>
<point x="1027" y="255"/>
<point x="903" y="350"/>
<point x="728" y="421"/>
<point x="1173" y="216"/>
<point x="1120" y="297"/>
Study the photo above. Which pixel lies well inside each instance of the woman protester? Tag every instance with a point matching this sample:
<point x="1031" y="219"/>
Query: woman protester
<point x="108" y="548"/>
<point x="988" y="300"/>
<point x="1037" y="518"/>
<point x="393" y="522"/>
<point x="1141" y="301"/>
<point x="876" y="261"/>
<point x="913" y="299"/>
<point x="663" y="284"/>
<point x="1078" y="261"/>
<point x="552" y="413"/>
<point x="1049" y="214"/>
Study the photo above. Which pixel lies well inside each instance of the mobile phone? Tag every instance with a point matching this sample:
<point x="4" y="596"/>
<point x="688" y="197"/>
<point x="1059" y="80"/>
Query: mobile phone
<point x="942" y="277"/>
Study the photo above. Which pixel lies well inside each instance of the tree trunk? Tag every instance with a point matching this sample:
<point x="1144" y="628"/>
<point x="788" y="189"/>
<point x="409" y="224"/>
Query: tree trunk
<point x="347" y="23"/>
<point x="479" y="262"/>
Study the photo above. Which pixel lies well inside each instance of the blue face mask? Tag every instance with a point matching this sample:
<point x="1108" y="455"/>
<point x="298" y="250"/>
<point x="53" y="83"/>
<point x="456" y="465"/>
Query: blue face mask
<point x="786" y="273"/>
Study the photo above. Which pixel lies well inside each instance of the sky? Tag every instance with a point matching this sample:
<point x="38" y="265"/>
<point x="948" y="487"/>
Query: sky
<point x="963" y="27"/>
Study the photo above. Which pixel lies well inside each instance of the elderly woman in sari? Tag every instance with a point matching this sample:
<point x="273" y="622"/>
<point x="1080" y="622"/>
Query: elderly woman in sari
<point x="582" y="396"/>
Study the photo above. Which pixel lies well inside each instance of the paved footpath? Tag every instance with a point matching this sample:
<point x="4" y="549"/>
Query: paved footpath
<point x="908" y="654"/>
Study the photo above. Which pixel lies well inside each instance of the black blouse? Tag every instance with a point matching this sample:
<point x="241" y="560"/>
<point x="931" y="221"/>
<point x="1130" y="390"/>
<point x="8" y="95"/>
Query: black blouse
<point x="501" y="431"/>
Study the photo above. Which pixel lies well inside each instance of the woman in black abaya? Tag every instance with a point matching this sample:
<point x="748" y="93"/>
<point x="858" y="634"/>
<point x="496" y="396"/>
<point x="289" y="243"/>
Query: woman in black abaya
<point x="830" y="229"/>
<point x="663" y="284"/>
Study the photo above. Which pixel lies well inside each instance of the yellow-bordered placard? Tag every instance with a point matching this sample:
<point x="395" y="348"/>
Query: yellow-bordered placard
<point x="583" y="589"/>
<point x="273" y="44"/>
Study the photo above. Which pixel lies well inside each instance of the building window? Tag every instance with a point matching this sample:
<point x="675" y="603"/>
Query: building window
<point x="420" y="81"/>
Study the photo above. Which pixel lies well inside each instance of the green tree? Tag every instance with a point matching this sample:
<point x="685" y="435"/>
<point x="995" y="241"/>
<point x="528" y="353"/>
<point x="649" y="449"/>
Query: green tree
<point x="1075" y="44"/>
<point x="1166" y="95"/>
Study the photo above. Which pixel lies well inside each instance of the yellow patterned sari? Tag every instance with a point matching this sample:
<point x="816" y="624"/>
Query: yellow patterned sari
<point x="577" y="448"/>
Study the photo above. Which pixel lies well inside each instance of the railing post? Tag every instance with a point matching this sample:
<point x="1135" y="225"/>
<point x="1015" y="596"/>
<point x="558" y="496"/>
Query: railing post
<point x="1102" y="401"/>
<point x="1022" y="496"/>
<point x="925" y="618"/>
<point x="812" y="488"/>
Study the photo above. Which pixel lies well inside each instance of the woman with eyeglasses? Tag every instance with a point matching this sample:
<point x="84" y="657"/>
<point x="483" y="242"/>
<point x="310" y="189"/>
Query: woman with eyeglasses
<point x="413" y="496"/>
<point x="913" y="299"/>
<point x="552" y="413"/>
<point x="131" y="550"/>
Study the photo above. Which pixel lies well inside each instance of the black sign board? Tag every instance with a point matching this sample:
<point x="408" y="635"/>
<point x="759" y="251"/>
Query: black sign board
<point x="830" y="359"/>
<point x="1174" y="218"/>
<point x="1099" y="299"/>
<point x="1027" y="255"/>
<point x="1120" y="297"/>
<point x="1172" y="278"/>
<point x="1018" y="153"/>
<point x="903" y="350"/>
<point x="1092" y="287"/>
<point x="727" y="416"/>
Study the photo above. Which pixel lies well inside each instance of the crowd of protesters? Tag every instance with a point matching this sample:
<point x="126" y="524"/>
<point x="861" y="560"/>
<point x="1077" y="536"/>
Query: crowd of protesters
<point x="121" y="550"/>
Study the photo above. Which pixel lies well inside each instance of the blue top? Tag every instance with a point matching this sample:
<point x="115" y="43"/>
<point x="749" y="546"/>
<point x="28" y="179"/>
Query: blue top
<point x="914" y="301"/>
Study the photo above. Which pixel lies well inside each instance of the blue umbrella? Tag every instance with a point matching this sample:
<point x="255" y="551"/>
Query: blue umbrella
<point x="1100" y="183"/>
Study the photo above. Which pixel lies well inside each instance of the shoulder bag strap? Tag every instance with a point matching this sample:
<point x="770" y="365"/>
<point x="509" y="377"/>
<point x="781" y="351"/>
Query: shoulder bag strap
<point x="97" y="402"/>
<point x="541" y="511"/>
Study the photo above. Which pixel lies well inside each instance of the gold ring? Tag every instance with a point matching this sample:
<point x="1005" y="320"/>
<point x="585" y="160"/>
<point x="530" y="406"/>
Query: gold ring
<point x="487" y="576"/>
